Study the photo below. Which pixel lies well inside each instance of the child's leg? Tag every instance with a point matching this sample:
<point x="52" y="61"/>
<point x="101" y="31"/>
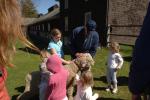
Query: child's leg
<point x="114" y="80"/>
<point x="108" y="77"/>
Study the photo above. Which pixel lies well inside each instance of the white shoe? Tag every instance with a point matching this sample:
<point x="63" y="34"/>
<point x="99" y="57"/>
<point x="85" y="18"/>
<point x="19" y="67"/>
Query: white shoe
<point x="115" y="90"/>
<point x="107" y="89"/>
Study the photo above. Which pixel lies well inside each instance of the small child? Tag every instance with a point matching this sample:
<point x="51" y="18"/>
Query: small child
<point x="44" y="74"/>
<point x="115" y="62"/>
<point x="56" y="89"/>
<point x="55" y="45"/>
<point x="84" y="87"/>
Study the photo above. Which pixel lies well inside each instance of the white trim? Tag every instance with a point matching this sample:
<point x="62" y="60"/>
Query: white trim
<point x="66" y="23"/>
<point x="66" y="4"/>
<point x="43" y="27"/>
<point x="87" y="16"/>
<point x="48" y="27"/>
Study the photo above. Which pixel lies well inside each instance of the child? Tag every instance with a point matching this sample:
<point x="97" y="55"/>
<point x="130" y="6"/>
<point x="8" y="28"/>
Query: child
<point x="84" y="87"/>
<point x="115" y="62"/>
<point x="56" y="89"/>
<point x="55" y="45"/>
<point x="44" y="75"/>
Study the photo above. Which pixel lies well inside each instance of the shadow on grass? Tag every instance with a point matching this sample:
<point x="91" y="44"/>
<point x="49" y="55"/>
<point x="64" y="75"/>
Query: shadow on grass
<point x="19" y="89"/>
<point x="14" y="97"/>
<point x="127" y="58"/>
<point x="101" y="98"/>
<point x="122" y="80"/>
<point x="26" y="49"/>
<point x="99" y="88"/>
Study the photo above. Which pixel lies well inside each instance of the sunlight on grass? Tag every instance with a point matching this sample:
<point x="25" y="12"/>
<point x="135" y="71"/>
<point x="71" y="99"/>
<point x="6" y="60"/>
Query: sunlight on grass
<point x="27" y="62"/>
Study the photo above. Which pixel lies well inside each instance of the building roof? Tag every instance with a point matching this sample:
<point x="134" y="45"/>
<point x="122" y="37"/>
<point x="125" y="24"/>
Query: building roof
<point x="27" y="21"/>
<point x="49" y="16"/>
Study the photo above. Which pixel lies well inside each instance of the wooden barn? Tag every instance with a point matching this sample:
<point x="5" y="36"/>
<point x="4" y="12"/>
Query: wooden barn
<point x="40" y="28"/>
<point x="124" y="17"/>
<point x="45" y="23"/>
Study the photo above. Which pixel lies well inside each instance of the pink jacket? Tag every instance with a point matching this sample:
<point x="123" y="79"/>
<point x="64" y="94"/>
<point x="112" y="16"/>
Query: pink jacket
<point x="56" y="89"/>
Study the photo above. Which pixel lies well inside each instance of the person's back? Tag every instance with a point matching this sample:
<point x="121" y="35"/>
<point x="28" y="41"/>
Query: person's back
<point x="57" y="83"/>
<point x="140" y="66"/>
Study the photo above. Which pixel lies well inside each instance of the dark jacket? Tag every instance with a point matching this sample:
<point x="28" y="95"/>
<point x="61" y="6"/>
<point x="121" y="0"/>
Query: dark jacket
<point x="84" y="43"/>
<point x="139" y="75"/>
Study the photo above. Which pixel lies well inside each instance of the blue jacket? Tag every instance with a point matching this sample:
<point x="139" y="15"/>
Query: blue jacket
<point x="84" y="44"/>
<point x="139" y="75"/>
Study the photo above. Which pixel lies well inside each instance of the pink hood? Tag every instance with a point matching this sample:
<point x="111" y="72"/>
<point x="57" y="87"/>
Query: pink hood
<point x="54" y="63"/>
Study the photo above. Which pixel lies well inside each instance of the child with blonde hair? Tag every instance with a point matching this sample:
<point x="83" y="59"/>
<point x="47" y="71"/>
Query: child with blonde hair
<point x="84" y="87"/>
<point x="114" y="63"/>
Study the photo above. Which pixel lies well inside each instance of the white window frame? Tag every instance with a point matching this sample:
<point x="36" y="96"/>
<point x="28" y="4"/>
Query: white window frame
<point x="66" y="4"/>
<point x="66" y="23"/>
<point x="87" y="16"/>
<point x="39" y="27"/>
<point x="48" y="27"/>
<point x="43" y="27"/>
<point x="36" y="27"/>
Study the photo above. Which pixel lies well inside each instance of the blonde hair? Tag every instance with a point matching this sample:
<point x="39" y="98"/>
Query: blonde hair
<point x="44" y="54"/>
<point x="115" y="46"/>
<point x="10" y="30"/>
<point x="87" y="79"/>
<point x="55" y="32"/>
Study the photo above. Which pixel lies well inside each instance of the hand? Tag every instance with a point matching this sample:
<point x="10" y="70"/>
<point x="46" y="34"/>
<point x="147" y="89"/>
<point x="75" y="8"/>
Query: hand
<point x="117" y="68"/>
<point x="77" y="77"/>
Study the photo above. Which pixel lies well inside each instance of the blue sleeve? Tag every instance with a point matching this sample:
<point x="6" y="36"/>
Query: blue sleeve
<point x="73" y="39"/>
<point x="140" y="67"/>
<point x="50" y="46"/>
<point x="95" y="44"/>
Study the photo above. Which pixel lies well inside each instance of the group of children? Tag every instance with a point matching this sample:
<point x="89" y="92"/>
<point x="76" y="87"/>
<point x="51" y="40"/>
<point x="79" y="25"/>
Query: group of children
<point x="54" y="78"/>
<point x="54" y="75"/>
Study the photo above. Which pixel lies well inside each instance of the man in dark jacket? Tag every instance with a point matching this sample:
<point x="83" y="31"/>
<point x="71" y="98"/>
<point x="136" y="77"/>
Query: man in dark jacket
<point x="139" y="75"/>
<point x="84" y="39"/>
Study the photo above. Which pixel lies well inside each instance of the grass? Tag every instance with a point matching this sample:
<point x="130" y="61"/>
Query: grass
<point x="27" y="62"/>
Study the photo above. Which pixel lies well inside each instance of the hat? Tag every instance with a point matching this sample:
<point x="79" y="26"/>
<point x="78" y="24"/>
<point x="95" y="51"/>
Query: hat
<point x="91" y="24"/>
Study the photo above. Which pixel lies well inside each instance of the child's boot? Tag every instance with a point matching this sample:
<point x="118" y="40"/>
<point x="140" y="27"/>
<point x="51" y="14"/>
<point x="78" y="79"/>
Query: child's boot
<point x="115" y="89"/>
<point x="108" y="88"/>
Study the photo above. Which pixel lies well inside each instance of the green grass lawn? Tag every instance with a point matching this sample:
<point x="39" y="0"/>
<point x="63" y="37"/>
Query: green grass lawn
<point x="27" y="62"/>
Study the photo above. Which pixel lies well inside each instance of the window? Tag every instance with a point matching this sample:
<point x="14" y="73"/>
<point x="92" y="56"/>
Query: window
<point x="88" y="15"/>
<point x="49" y="27"/>
<point x="43" y="27"/>
<point x="85" y="0"/>
<point x="39" y="27"/>
<point x="36" y="27"/>
<point x="66" y="4"/>
<point x="66" y="23"/>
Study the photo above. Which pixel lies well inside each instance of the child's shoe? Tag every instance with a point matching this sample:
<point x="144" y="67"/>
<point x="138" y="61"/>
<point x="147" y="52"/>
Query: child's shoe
<point x="108" y="89"/>
<point x="115" y="90"/>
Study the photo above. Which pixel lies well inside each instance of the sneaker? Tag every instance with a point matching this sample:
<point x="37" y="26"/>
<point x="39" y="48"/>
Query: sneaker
<point x="107" y="89"/>
<point x="115" y="90"/>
